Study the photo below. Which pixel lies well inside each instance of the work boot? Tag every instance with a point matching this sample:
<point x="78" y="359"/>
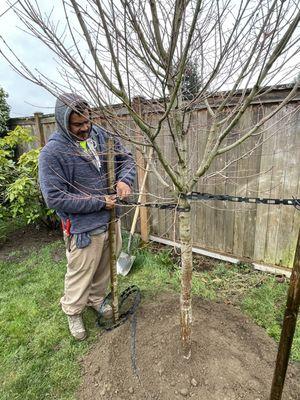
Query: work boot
<point x="106" y="311"/>
<point x="76" y="326"/>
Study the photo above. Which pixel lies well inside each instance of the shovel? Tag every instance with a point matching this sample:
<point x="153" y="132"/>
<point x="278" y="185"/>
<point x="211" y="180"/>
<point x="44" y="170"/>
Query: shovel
<point x="125" y="260"/>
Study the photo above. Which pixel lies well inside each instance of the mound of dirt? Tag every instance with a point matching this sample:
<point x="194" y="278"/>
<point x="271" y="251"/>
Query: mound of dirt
<point x="232" y="358"/>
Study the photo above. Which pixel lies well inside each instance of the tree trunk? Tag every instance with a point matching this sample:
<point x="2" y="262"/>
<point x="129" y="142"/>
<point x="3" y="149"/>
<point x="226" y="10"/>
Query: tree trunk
<point x="186" y="278"/>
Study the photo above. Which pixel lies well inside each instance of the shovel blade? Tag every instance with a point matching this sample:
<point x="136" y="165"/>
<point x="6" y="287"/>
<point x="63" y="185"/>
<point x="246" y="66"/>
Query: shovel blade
<point x="124" y="263"/>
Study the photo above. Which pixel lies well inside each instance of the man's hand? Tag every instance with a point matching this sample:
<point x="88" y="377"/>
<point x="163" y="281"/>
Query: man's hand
<point x="123" y="190"/>
<point x="110" y="201"/>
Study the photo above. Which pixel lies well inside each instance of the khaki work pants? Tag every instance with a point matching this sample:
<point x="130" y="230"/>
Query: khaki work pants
<point x="88" y="273"/>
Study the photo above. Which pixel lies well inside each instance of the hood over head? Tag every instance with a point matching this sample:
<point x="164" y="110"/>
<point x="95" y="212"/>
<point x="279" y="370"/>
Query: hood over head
<point x="65" y="104"/>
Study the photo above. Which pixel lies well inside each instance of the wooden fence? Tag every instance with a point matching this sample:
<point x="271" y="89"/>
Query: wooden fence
<point x="265" y="166"/>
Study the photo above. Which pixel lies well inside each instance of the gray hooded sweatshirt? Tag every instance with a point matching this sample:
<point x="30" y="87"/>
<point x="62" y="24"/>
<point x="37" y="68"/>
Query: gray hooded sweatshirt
<point x="71" y="182"/>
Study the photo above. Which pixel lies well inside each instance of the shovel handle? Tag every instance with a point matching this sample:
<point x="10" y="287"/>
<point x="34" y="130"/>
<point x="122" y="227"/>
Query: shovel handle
<point x="129" y="242"/>
<point x="137" y="210"/>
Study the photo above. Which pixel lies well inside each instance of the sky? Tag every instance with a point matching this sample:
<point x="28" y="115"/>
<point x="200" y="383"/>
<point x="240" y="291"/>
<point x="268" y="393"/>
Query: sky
<point x="25" y="98"/>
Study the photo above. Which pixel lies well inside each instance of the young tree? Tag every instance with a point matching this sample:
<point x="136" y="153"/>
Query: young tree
<point x="4" y="112"/>
<point x="116" y="50"/>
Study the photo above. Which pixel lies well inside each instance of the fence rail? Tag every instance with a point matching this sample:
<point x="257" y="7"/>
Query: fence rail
<point x="266" y="165"/>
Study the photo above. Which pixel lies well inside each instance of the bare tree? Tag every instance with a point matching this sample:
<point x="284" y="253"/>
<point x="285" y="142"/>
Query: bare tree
<point x="117" y="50"/>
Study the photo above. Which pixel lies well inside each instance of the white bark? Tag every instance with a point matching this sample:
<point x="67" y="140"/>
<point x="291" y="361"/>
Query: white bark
<point x="186" y="279"/>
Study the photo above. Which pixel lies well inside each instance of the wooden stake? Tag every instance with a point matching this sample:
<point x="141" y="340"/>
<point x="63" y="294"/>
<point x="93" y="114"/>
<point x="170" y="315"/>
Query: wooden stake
<point x="141" y="169"/>
<point x="288" y="328"/>
<point x="139" y="200"/>
<point x="144" y="216"/>
<point x="112" y="231"/>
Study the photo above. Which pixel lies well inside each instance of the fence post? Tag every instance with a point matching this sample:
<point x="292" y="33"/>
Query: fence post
<point x="39" y="128"/>
<point x="288" y="328"/>
<point x="141" y="168"/>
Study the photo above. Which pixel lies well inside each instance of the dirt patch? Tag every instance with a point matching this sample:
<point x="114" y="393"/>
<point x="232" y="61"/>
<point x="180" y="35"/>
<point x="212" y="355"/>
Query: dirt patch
<point x="200" y="263"/>
<point x="203" y="263"/>
<point x="22" y="242"/>
<point x="232" y="358"/>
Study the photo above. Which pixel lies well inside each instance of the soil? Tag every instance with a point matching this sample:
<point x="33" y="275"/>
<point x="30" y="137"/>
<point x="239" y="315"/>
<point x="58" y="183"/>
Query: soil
<point x="200" y="263"/>
<point x="232" y="358"/>
<point x="23" y="241"/>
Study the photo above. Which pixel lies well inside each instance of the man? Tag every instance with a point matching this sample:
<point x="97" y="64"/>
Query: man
<point x="74" y="181"/>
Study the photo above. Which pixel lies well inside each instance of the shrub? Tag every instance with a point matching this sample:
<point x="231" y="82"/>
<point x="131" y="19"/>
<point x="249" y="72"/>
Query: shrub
<point x="19" y="190"/>
<point x="4" y="112"/>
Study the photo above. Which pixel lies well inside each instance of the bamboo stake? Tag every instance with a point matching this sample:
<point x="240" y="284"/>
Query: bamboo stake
<point x="288" y="328"/>
<point x="112" y="231"/>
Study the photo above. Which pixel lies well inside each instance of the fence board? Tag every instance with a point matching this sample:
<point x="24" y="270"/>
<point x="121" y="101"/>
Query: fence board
<point x="264" y="188"/>
<point x="276" y="187"/>
<point x="289" y="216"/>
<point x="252" y="190"/>
<point x="199" y="233"/>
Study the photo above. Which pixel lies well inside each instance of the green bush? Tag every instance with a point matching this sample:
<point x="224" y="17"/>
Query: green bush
<point x="19" y="190"/>
<point x="4" y="112"/>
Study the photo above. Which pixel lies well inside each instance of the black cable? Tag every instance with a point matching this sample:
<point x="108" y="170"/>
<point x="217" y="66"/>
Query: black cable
<point x="195" y="196"/>
<point x="108" y="325"/>
<point x="124" y="316"/>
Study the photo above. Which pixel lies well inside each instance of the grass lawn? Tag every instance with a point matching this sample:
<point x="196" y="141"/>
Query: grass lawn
<point x="39" y="359"/>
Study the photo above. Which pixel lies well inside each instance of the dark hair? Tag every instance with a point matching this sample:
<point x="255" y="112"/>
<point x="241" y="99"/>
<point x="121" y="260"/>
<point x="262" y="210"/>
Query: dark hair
<point x="81" y="107"/>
